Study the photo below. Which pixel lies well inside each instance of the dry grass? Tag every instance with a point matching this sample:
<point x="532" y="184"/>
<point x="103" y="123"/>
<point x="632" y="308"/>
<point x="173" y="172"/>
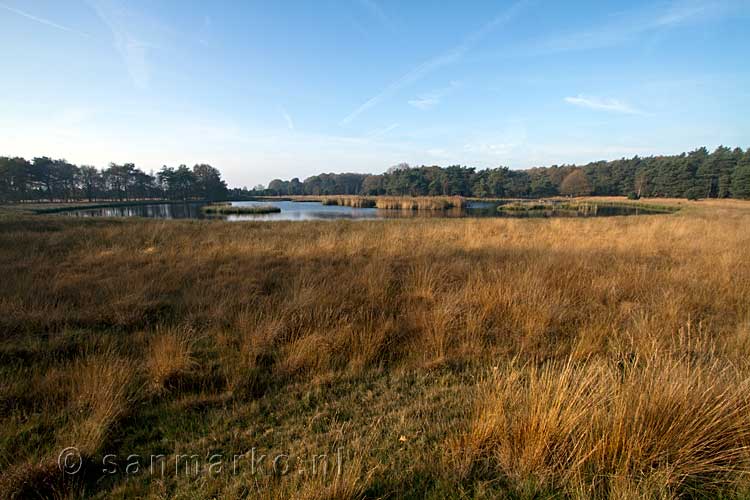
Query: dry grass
<point x="656" y="428"/>
<point x="170" y="356"/>
<point x="419" y="202"/>
<point x="100" y="393"/>
<point x="99" y="390"/>
<point x="620" y="349"/>
<point x="349" y="201"/>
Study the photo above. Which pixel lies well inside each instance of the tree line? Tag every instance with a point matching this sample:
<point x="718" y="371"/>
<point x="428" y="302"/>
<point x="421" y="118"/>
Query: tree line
<point x="58" y="180"/>
<point x="723" y="173"/>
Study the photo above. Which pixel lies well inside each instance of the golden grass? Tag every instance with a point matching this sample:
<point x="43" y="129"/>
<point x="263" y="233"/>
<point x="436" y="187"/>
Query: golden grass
<point x="605" y="357"/>
<point x="99" y="390"/>
<point x="349" y="201"/>
<point x="659" y="427"/>
<point x="170" y="355"/>
<point x="419" y="202"/>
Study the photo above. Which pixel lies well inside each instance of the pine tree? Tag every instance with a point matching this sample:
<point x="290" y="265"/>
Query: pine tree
<point x="741" y="178"/>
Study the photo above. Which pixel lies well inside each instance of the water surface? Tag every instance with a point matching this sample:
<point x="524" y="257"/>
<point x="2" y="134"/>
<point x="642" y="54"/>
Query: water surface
<point x="300" y="211"/>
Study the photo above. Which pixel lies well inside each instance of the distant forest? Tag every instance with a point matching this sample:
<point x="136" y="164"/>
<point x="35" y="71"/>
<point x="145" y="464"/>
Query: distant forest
<point x="57" y="180"/>
<point x="724" y="173"/>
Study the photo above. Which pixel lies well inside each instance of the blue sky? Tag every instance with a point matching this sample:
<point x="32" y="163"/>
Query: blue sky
<point x="282" y="89"/>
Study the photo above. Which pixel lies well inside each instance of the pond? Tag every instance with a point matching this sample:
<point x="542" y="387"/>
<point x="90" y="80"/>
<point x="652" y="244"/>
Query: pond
<point x="312" y="210"/>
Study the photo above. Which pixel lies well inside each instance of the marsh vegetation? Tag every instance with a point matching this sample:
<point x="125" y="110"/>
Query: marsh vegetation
<point x="586" y="358"/>
<point x="397" y="202"/>
<point x="588" y="206"/>
<point x="227" y="209"/>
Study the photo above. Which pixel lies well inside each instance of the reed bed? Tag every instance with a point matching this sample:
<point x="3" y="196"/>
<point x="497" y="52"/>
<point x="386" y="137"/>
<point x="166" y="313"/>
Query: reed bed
<point x="227" y="209"/>
<point x="582" y="205"/>
<point x="523" y="206"/>
<point x="397" y="202"/>
<point x="349" y="201"/>
<point x="420" y="202"/>
<point x="447" y="358"/>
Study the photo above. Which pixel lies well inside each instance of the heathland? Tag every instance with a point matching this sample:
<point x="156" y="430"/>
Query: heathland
<point x="480" y="358"/>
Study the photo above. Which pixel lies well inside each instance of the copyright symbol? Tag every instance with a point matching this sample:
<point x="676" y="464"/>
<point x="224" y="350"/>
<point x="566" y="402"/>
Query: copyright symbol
<point x="69" y="460"/>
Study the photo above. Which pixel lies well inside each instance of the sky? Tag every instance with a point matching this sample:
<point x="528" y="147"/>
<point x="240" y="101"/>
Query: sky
<point x="282" y="89"/>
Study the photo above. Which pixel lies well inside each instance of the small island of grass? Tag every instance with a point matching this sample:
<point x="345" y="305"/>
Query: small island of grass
<point x="583" y="206"/>
<point x="227" y="209"/>
<point x="525" y="206"/>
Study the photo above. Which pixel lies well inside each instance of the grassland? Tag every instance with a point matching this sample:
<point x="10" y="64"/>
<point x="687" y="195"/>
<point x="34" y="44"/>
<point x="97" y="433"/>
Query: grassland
<point x="464" y="358"/>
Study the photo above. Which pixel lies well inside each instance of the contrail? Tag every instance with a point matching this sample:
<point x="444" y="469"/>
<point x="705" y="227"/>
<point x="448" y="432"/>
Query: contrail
<point x="435" y="63"/>
<point x="43" y="21"/>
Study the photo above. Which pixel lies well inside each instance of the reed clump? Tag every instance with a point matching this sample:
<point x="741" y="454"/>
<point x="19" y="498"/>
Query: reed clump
<point x="524" y="206"/>
<point x="349" y="201"/>
<point x="419" y="202"/>
<point x="226" y="209"/>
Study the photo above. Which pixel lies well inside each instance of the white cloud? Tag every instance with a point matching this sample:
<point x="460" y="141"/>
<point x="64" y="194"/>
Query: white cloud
<point x="424" y="103"/>
<point x="432" y="99"/>
<point x="204" y="33"/>
<point x="599" y="104"/>
<point x="493" y="149"/>
<point x="288" y="119"/>
<point x="499" y="145"/>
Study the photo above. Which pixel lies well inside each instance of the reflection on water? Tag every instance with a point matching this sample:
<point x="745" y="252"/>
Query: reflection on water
<point x="291" y="210"/>
<point x="298" y="211"/>
<point x="151" y="211"/>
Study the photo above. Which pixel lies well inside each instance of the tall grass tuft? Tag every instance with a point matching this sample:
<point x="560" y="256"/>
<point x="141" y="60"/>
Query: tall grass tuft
<point x="658" y="427"/>
<point x="170" y="356"/>
<point x="101" y="389"/>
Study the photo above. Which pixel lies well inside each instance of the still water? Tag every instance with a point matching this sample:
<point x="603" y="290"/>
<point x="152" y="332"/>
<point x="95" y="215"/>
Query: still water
<point x="292" y="210"/>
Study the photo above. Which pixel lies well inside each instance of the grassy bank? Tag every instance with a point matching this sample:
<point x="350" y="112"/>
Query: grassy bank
<point x="480" y="358"/>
